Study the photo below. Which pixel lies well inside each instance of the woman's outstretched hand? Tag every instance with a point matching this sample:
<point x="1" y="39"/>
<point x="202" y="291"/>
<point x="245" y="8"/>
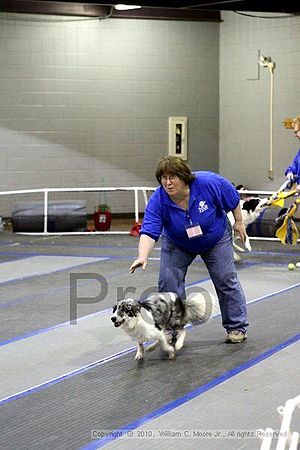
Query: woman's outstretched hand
<point x="140" y="262"/>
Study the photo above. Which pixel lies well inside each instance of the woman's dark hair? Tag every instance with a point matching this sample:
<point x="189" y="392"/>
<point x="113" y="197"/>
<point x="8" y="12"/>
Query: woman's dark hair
<point x="173" y="165"/>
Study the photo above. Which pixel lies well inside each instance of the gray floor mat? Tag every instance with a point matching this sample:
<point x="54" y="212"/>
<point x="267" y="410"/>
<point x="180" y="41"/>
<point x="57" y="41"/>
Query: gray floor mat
<point x="121" y="391"/>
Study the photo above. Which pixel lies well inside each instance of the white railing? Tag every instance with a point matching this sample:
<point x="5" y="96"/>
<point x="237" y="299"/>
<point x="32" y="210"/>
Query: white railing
<point x="285" y="435"/>
<point x="46" y="192"/>
<point x="135" y="190"/>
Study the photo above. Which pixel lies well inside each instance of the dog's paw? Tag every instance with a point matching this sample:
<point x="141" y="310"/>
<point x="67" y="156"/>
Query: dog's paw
<point x="178" y="345"/>
<point x="172" y="353"/>
<point x="139" y="356"/>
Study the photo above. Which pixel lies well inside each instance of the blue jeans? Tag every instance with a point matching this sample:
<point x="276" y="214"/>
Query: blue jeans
<point x="219" y="261"/>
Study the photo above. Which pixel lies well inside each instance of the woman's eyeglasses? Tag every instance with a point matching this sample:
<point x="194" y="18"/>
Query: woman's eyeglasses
<point x="165" y="178"/>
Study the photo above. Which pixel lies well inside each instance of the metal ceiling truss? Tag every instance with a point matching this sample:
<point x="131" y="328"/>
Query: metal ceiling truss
<point x="206" y="10"/>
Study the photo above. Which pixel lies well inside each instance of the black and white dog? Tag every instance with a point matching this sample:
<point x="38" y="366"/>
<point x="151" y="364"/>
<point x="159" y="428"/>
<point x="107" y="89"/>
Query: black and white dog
<point x="251" y="209"/>
<point x="160" y="314"/>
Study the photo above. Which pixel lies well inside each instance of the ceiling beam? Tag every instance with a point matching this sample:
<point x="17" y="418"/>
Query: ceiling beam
<point x="55" y="8"/>
<point x="86" y="9"/>
<point x="169" y="14"/>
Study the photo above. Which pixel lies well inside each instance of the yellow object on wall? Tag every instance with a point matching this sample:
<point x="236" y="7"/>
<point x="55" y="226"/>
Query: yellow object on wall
<point x="288" y="123"/>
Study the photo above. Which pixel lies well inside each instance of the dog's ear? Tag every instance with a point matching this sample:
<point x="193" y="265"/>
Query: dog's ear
<point x="250" y="205"/>
<point x="134" y="309"/>
<point x="148" y="303"/>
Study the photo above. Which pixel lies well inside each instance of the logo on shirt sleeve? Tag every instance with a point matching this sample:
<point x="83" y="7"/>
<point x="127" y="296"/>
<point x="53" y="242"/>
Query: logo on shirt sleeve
<point x="202" y="206"/>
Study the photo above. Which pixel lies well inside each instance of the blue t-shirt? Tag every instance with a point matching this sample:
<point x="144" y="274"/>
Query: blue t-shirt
<point x="211" y="197"/>
<point x="295" y="168"/>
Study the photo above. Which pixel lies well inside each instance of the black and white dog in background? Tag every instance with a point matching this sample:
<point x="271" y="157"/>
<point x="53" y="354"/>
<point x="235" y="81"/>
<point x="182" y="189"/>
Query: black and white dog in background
<point x="152" y="319"/>
<point x="251" y="209"/>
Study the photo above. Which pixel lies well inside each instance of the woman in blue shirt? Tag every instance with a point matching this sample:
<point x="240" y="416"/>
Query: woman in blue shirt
<point x="292" y="172"/>
<point x="188" y="210"/>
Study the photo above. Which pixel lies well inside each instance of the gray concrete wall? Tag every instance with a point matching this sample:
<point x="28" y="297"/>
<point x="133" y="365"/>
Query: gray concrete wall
<point x="245" y="97"/>
<point x="86" y="102"/>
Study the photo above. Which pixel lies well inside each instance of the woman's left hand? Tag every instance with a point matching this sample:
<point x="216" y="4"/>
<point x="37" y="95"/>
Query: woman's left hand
<point x="240" y="230"/>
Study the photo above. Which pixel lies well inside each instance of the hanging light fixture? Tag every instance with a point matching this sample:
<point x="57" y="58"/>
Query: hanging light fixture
<point x="122" y="7"/>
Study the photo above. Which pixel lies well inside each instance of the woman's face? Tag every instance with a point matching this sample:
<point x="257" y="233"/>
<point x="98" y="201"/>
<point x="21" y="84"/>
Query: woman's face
<point x="172" y="184"/>
<point x="297" y="131"/>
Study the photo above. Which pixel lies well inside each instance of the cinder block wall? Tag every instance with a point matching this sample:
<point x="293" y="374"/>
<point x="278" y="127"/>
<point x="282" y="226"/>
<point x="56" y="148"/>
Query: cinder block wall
<point x="245" y="97"/>
<point x="86" y="103"/>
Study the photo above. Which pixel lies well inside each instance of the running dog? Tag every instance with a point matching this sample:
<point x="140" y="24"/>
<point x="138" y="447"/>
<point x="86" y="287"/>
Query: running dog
<point x="251" y="210"/>
<point x="159" y="315"/>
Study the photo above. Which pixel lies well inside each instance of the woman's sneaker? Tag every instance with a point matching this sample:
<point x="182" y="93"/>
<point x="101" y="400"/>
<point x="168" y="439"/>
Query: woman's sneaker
<point x="235" y="337"/>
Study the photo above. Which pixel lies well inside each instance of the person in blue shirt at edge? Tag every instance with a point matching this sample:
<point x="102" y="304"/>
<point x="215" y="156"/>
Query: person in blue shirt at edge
<point x="292" y="172"/>
<point x="188" y="210"/>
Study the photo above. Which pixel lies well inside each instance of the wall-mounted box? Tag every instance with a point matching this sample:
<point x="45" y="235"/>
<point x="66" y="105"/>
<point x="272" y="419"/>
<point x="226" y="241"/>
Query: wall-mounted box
<point x="178" y="137"/>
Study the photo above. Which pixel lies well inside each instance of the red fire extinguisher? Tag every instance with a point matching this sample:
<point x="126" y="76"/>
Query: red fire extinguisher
<point x="102" y="218"/>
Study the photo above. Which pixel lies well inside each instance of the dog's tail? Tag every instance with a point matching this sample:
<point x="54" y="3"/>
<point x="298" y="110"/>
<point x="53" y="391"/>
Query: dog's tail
<point x="167" y="309"/>
<point x="200" y="306"/>
<point x="159" y="305"/>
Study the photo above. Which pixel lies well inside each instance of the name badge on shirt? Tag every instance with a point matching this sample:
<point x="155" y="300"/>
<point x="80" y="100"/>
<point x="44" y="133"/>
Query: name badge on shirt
<point x="193" y="231"/>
